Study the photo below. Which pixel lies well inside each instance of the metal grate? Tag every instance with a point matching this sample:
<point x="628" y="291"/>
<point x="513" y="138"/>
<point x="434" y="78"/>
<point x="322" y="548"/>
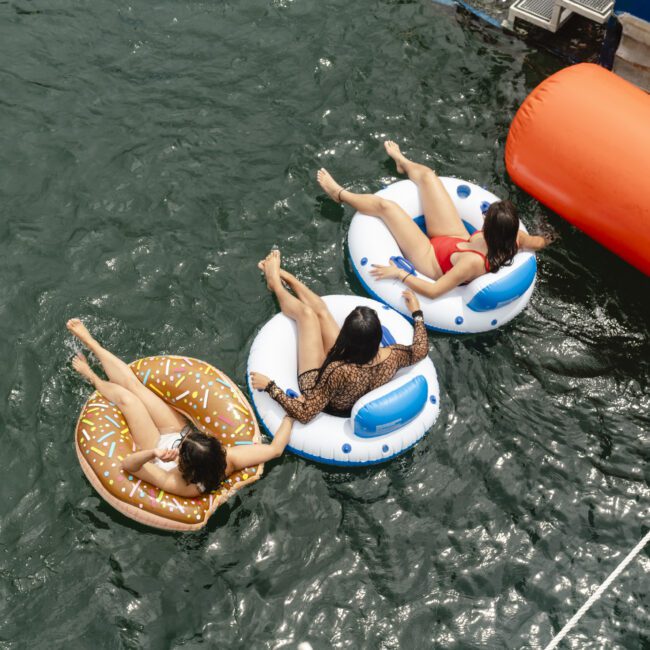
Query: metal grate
<point x="602" y="7"/>
<point x="541" y="8"/>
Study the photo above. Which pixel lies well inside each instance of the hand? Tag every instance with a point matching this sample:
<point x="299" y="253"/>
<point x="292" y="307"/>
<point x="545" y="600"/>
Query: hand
<point x="550" y="237"/>
<point x="411" y="300"/>
<point x="166" y="455"/>
<point x="380" y="272"/>
<point x="259" y="381"/>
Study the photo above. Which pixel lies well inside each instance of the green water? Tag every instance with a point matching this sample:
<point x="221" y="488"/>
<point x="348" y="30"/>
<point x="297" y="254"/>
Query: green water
<point x="150" y="154"/>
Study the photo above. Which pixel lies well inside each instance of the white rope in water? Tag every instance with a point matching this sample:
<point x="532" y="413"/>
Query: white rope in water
<point x="598" y="593"/>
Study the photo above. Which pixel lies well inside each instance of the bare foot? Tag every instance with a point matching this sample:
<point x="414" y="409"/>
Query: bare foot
<point x="333" y="189"/>
<point x="80" y="364"/>
<point x="392" y="149"/>
<point x="271" y="268"/>
<point x="78" y="329"/>
<point x="260" y="264"/>
<point x="285" y="276"/>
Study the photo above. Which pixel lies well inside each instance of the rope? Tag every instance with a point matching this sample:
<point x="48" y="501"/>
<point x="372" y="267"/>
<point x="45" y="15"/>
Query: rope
<point x="598" y="593"/>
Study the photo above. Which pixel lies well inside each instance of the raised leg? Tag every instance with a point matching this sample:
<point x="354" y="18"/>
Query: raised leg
<point x="311" y="353"/>
<point x="143" y="429"/>
<point x="413" y="243"/>
<point x="329" y="327"/>
<point x="440" y="214"/>
<point x="166" y="418"/>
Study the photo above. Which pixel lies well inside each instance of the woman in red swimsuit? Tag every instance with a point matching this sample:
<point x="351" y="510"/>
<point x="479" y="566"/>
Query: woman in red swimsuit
<point x="447" y="253"/>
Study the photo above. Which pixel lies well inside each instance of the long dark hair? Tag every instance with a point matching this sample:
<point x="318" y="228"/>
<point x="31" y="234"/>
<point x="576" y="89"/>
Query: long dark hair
<point x="500" y="230"/>
<point x="359" y="339"/>
<point x="202" y="460"/>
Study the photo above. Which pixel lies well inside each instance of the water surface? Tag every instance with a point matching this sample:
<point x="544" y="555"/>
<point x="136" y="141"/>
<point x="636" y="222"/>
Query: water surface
<point x="150" y="154"/>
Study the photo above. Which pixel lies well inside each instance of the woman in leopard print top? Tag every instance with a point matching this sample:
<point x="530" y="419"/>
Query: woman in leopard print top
<point x="336" y="366"/>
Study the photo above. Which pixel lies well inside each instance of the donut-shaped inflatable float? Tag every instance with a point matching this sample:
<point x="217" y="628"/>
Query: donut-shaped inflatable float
<point x="384" y="423"/>
<point x="479" y="306"/>
<point x="200" y="392"/>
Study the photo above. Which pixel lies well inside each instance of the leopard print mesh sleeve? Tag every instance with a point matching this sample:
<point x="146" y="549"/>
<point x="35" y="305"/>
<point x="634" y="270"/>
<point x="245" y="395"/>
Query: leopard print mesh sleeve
<point x="410" y="354"/>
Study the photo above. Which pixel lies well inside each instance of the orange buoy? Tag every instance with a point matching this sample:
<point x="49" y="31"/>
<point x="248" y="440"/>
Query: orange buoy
<point x="580" y="144"/>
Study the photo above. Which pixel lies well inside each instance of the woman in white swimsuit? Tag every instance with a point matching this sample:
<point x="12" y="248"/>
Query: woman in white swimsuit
<point x="172" y="455"/>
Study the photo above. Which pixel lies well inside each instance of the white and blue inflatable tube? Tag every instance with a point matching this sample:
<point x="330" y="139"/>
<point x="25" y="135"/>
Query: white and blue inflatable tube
<point x="384" y="423"/>
<point x="479" y="306"/>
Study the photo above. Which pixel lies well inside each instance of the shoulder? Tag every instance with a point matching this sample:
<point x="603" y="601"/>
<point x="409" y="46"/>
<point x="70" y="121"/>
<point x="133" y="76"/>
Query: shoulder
<point x="335" y="371"/>
<point x="333" y="368"/>
<point x="175" y="483"/>
<point x="470" y="264"/>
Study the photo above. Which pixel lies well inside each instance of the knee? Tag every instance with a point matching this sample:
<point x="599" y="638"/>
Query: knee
<point x="385" y="206"/>
<point x="320" y="309"/>
<point x="426" y="176"/>
<point x="307" y="313"/>
<point x="125" y="399"/>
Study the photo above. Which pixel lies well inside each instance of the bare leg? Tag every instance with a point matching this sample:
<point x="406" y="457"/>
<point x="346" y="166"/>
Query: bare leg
<point x="166" y="418"/>
<point x="413" y="243"/>
<point x="143" y="429"/>
<point x="440" y="214"/>
<point x="310" y="341"/>
<point x="329" y="327"/>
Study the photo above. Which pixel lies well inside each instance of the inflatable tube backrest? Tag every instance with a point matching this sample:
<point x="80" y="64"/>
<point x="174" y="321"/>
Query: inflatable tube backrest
<point x="386" y="337"/>
<point x="389" y="407"/>
<point x="421" y="223"/>
<point x="506" y="285"/>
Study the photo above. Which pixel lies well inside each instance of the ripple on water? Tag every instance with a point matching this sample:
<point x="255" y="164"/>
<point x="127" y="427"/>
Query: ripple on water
<point x="141" y="184"/>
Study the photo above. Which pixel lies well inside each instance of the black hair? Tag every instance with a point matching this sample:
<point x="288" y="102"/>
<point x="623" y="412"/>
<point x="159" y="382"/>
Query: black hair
<point x="202" y="460"/>
<point x="500" y="230"/>
<point x="359" y="338"/>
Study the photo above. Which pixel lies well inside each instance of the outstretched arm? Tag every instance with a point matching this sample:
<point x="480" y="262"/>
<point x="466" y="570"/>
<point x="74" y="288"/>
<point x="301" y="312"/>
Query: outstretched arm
<point x="300" y="408"/>
<point x="532" y="242"/>
<point x="410" y="354"/>
<point x="250" y="455"/>
<point x="170" y="481"/>
<point x="464" y="271"/>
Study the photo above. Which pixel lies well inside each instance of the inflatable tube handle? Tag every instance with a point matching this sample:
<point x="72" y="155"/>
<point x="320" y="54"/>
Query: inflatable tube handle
<point x="392" y="410"/>
<point x="402" y="263"/>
